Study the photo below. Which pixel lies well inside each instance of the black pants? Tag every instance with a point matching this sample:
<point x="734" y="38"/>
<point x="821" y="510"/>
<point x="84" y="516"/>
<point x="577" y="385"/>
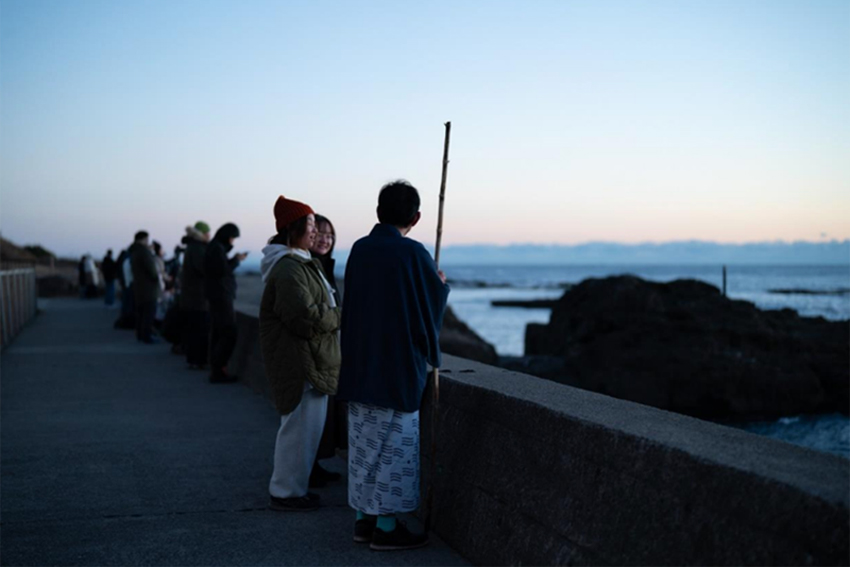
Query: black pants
<point x="145" y="312"/>
<point x="127" y="320"/>
<point x="223" y="336"/>
<point x="196" y="336"/>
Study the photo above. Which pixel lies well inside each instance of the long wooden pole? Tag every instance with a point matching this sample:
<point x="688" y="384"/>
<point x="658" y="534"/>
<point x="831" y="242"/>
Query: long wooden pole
<point x="435" y="401"/>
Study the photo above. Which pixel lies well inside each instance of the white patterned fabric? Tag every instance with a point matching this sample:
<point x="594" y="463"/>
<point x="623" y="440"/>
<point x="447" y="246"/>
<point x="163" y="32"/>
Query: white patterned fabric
<point x="383" y="459"/>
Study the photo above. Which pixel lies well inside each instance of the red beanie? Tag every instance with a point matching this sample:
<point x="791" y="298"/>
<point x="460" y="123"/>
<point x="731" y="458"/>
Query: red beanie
<point x="287" y="212"/>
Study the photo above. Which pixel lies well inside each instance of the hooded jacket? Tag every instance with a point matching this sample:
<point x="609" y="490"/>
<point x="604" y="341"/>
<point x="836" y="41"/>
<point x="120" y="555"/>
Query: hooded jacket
<point x="298" y="327"/>
<point x="219" y="282"/>
<point x="192" y="295"/>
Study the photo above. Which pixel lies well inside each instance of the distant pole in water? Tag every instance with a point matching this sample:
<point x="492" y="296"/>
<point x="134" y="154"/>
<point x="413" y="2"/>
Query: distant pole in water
<point x="724" y="281"/>
<point x="435" y="402"/>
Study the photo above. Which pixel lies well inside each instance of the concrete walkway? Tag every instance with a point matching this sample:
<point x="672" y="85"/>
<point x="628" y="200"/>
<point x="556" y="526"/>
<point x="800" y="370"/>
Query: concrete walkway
<point x="114" y="453"/>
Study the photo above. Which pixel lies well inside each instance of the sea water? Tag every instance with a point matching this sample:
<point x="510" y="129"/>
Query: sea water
<point x="474" y="288"/>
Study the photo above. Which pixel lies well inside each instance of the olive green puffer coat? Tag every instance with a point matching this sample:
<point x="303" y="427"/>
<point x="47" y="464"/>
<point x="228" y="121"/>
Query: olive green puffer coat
<point x="298" y="332"/>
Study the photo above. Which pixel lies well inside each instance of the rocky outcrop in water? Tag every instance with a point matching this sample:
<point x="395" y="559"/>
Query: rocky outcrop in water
<point x="458" y="339"/>
<point x="684" y="347"/>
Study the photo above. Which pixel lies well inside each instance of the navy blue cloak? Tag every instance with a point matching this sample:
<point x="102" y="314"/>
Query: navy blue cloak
<point x="391" y="318"/>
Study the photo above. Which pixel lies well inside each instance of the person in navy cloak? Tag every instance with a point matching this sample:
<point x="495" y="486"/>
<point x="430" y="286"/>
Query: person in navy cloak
<point x="393" y="310"/>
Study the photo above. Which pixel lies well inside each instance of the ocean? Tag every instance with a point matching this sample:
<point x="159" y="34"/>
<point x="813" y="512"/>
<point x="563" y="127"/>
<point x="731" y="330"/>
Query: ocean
<point x="474" y="287"/>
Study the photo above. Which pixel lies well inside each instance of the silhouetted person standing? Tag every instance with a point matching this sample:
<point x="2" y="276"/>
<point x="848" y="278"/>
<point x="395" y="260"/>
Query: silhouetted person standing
<point x="127" y="319"/>
<point x="109" y="268"/>
<point x="81" y="276"/>
<point x="394" y="303"/>
<point x="220" y="287"/>
<point x="336" y="431"/>
<point x="193" y="300"/>
<point x="145" y="286"/>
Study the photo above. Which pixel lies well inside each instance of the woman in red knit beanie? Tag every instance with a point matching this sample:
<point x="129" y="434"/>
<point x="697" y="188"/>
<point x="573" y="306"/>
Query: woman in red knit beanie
<point x="299" y="320"/>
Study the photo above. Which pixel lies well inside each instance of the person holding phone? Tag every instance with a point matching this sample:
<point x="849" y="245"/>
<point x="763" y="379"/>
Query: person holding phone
<point x="220" y="290"/>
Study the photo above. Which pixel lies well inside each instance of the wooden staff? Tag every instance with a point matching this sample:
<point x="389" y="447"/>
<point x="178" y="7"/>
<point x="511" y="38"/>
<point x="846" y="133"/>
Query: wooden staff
<point x="435" y="402"/>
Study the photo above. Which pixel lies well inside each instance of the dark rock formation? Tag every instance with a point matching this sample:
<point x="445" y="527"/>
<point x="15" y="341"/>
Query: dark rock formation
<point x="458" y="339"/>
<point x="684" y="347"/>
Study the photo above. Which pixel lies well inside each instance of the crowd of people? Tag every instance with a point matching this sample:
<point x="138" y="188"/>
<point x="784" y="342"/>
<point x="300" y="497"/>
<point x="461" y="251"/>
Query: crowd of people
<point x="349" y="376"/>
<point x="187" y="300"/>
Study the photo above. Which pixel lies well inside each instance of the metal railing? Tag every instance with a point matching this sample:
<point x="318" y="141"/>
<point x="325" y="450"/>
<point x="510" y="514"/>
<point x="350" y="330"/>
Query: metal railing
<point x="18" y="303"/>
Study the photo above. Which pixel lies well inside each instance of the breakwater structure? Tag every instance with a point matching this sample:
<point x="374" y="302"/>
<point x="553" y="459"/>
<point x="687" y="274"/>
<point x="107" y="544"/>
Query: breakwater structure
<point x="534" y="472"/>
<point x="18" y="300"/>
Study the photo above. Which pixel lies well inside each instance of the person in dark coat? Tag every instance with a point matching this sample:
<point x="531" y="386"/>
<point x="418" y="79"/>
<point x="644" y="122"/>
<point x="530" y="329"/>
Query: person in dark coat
<point x="109" y="269"/>
<point x="193" y="300"/>
<point x="394" y="303"/>
<point x="323" y="249"/>
<point x="145" y="287"/>
<point x="335" y="433"/>
<point x="220" y="290"/>
<point x="81" y="276"/>
<point x="127" y="319"/>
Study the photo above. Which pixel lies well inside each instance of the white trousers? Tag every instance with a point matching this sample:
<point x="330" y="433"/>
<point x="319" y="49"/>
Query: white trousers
<point x="297" y="444"/>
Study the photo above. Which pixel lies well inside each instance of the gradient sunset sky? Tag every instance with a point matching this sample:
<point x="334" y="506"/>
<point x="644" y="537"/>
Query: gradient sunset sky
<point x="572" y="121"/>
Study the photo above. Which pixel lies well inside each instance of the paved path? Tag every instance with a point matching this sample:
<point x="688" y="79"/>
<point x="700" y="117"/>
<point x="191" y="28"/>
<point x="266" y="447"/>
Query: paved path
<point x="114" y="453"/>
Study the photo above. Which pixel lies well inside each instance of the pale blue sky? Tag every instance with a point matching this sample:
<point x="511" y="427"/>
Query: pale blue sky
<point x="572" y="121"/>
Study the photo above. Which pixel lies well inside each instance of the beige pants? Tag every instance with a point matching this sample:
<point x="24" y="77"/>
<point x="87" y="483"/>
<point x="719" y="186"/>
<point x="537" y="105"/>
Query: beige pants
<point x="297" y="443"/>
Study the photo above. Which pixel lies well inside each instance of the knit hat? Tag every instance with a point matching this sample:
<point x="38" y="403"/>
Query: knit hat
<point x="287" y="212"/>
<point x="202" y="227"/>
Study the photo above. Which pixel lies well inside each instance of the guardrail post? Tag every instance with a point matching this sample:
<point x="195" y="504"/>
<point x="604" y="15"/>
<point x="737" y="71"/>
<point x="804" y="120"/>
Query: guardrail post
<point x="4" y="323"/>
<point x="33" y="295"/>
<point x="18" y="301"/>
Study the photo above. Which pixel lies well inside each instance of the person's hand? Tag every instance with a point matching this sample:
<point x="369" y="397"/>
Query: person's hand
<point x="241" y="256"/>
<point x="442" y="275"/>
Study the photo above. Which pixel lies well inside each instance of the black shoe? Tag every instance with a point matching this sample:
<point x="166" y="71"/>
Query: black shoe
<point x="398" y="539"/>
<point x="319" y="477"/>
<point x="364" y="529"/>
<point x="296" y="504"/>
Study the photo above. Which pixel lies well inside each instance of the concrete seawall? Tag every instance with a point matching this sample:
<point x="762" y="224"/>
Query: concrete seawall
<point x="533" y="472"/>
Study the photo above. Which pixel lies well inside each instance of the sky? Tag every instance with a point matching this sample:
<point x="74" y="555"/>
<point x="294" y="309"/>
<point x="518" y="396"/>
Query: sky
<point x="572" y="121"/>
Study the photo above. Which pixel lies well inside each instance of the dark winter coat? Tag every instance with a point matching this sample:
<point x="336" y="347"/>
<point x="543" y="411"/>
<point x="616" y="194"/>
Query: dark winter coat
<point x="145" y="273"/>
<point x="120" y="266"/>
<point x="298" y="332"/>
<point x="394" y="304"/>
<point x="219" y="281"/>
<point x="109" y="268"/>
<point x="192" y="293"/>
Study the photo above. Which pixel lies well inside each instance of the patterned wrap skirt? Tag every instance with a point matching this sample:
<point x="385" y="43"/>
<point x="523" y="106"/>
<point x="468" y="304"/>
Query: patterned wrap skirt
<point x="383" y="459"/>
